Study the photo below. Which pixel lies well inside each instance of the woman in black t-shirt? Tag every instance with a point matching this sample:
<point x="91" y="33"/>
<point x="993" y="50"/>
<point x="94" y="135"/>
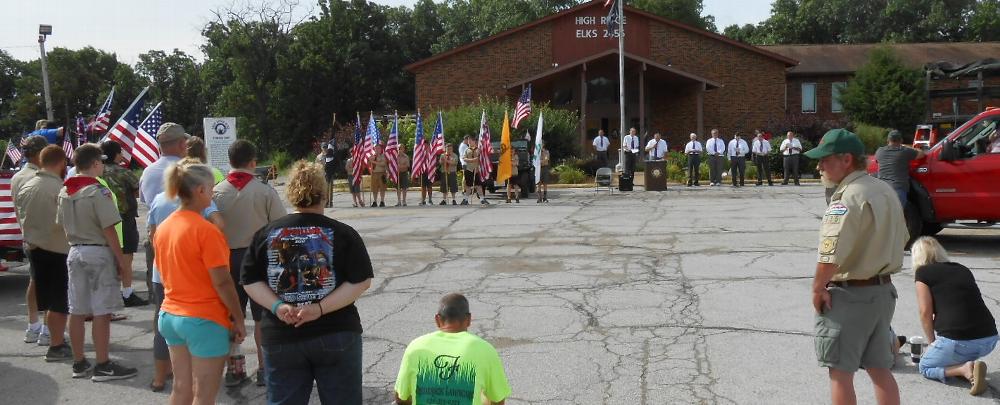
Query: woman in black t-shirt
<point x="958" y="325"/>
<point x="309" y="269"/>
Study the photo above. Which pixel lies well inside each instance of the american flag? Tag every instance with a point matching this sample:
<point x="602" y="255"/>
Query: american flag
<point x="437" y="148"/>
<point x="419" y="153"/>
<point x="13" y="152"/>
<point x="125" y="129"/>
<point x="357" y="153"/>
<point x="392" y="150"/>
<point x="68" y="145"/>
<point x="523" y="109"/>
<point x="103" y="118"/>
<point x="613" y="16"/>
<point x="372" y="139"/>
<point x="485" y="150"/>
<point x="147" y="149"/>
<point x="10" y="230"/>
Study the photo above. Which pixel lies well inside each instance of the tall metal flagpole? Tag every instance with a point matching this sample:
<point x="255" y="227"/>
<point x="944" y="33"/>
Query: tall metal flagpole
<point x="621" y="83"/>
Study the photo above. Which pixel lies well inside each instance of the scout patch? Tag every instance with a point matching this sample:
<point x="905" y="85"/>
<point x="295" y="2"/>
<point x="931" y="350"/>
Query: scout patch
<point x="837" y="209"/>
<point x="105" y="191"/>
<point x="828" y="246"/>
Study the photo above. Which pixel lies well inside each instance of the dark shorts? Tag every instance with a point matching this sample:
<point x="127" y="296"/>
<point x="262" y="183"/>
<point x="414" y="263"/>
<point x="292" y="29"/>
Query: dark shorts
<point x="355" y="188"/>
<point x="51" y="280"/>
<point x="130" y="235"/>
<point x="452" y="183"/>
<point x="472" y="179"/>
<point x="546" y="174"/>
<point x="329" y="169"/>
<point x="404" y="180"/>
<point x="425" y="182"/>
<point x="235" y="262"/>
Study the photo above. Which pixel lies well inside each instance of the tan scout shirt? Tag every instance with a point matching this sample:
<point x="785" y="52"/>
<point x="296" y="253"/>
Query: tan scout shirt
<point x="471" y="159"/>
<point x="545" y="158"/>
<point x="403" y="163"/>
<point x="380" y="164"/>
<point x="449" y="162"/>
<point x="514" y="162"/>
<point x="22" y="176"/>
<point x="863" y="230"/>
<point x="39" y="199"/>
<point x="246" y="211"/>
<point x="86" y="213"/>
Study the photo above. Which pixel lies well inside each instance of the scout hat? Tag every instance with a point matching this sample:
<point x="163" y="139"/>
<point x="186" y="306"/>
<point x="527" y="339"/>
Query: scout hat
<point x="170" y="132"/>
<point x="837" y="141"/>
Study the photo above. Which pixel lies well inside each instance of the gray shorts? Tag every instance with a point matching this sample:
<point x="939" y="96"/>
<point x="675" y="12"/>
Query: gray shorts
<point x="855" y="332"/>
<point x="94" y="286"/>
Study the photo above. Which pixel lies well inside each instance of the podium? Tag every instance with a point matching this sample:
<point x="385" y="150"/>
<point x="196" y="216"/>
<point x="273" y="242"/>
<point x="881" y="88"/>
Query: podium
<point x="656" y="175"/>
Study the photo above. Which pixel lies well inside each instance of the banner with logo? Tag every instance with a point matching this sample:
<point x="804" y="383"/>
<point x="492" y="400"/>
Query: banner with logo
<point x="220" y="132"/>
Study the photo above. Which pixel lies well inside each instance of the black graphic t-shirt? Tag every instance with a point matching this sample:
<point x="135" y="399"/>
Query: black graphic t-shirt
<point x="303" y="258"/>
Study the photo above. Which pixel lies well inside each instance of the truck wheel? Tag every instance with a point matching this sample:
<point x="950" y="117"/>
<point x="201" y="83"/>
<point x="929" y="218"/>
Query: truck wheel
<point x="914" y="224"/>
<point x="931" y="228"/>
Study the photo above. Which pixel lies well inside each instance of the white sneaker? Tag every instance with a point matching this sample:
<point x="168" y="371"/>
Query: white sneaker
<point x="44" y="339"/>
<point x="31" y="336"/>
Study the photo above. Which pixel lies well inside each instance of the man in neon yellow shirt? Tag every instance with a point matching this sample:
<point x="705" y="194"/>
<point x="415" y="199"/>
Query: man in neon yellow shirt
<point x="451" y="366"/>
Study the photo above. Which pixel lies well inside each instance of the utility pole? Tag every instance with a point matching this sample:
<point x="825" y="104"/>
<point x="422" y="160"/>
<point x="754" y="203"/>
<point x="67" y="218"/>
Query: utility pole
<point x="43" y="31"/>
<point x="621" y="83"/>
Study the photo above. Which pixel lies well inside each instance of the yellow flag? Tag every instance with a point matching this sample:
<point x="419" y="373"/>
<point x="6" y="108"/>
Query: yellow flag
<point x="503" y="172"/>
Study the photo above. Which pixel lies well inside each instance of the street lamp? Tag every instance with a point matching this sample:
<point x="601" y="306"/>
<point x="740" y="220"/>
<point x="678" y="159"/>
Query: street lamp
<point x="43" y="31"/>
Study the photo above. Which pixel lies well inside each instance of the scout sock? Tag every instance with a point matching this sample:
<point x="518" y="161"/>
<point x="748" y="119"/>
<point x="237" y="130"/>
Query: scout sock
<point x="35" y="327"/>
<point x="126" y="292"/>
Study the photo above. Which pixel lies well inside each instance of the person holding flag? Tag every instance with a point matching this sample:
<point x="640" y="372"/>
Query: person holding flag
<point x="541" y="163"/>
<point x="356" y="163"/>
<point x="449" y="173"/>
<point x="420" y="168"/>
<point x="356" y="196"/>
<point x="505" y="171"/>
<point x="403" y="168"/>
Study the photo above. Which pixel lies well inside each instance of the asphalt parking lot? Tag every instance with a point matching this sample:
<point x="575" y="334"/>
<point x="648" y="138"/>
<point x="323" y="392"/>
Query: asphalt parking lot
<point x="684" y="296"/>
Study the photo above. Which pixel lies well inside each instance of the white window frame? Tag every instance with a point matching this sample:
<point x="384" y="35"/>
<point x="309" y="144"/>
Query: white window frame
<point x="815" y="106"/>
<point x="836" y="89"/>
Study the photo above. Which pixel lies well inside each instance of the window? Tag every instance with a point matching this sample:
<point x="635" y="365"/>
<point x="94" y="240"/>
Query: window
<point x="977" y="139"/>
<point x="808" y="97"/>
<point x="835" y="90"/>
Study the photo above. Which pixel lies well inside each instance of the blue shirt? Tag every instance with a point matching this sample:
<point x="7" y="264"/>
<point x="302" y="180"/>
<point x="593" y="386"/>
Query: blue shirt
<point x="51" y="135"/>
<point x="151" y="182"/>
<point x="160" y="209"/>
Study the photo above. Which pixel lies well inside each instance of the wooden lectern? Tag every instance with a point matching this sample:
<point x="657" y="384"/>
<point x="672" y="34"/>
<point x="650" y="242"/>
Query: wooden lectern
<point x="656" y="175"/>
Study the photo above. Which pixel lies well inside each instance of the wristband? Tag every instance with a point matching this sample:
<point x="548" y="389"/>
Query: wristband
<point x="320" y="303"/>
<point x="274" y="307"/>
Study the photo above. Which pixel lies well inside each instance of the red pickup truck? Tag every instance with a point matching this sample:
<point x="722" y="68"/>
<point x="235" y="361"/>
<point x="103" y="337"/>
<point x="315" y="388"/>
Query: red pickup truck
<point x="957" y="183"/>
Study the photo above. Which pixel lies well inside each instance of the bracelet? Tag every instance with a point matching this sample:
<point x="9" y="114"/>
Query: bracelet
<point x="274" y="307"/>
<point x="320" y="303"/>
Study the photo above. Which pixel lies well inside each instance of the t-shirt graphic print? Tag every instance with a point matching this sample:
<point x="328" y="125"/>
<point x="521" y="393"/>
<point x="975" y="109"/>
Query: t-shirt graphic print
<point x="299" y="261"/>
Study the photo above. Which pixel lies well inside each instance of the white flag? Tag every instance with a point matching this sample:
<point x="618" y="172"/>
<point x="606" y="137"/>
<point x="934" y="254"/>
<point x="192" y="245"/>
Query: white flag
<point x="538" y="150"/>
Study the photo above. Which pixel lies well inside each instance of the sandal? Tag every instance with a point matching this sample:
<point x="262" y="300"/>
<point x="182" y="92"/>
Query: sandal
<point x="979" y="384"/>
<point x="157" y="388"/>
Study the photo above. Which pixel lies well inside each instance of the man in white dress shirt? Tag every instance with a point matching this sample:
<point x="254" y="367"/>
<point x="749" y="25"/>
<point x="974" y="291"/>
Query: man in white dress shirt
<point x="601" y="143"/>
<point x="693" y="150"/>
<point x="790" y="149"/>
<point x="631" y="146"/>
<point x="716" y="149"/>
<point x="738" y="150"/>
<point x="656" y="148"/>
<point x="761" y="150"/>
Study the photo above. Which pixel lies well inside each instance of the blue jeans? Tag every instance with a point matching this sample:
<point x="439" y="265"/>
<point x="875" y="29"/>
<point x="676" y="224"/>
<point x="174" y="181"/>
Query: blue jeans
<point x="902" y="193"/>
<point x="333" y="361"/>
<point x="946" y="353"/>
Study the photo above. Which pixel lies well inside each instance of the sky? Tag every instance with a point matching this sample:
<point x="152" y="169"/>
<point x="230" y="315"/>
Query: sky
<point x="132" y="27"/>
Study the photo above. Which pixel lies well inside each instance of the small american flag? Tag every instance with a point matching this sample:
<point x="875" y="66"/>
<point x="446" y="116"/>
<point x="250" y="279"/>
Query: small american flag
<point x="392" y="150"/>
<point x="147" y="149"/>
<point x="13" y="152"/>
<point x="357" y="153"/>
<point x="372" y="139"/>
<point x="485" y="150"/>
<point x="437" y="148"/>
<point x="103" y="118"/>
<point x="523" y="109"/>
<point x="124" y="131"/>
<point x="68" y="145"/>
<point x="419" y="157"/>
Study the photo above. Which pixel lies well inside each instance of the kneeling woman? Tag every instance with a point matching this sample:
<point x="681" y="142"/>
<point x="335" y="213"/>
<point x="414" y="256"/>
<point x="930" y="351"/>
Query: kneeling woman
<point x="952" y="309"/>
<point x="200" y="309"/>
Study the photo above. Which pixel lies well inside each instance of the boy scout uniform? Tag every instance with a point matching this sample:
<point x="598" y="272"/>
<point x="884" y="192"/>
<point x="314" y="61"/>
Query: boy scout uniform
<point x="85" y="210"/>
<point x="379" y="165"/>
<point x="403" y="168"/>
<point x="44" y="240"/>
<point x="863" y="233"/>
<point x="449" y="171"/>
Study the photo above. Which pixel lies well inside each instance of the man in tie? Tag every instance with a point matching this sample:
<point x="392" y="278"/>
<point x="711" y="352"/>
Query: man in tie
<point x="631" y="145"/>
<point x="761" y="150"/>
<point x="790" y="150"/>
<point x="716" y="148"/>
<point x="738" y="150"/>
<point x="656" y="148"/>
<point x="601" y="144"/>
<point x="693" y="151"/>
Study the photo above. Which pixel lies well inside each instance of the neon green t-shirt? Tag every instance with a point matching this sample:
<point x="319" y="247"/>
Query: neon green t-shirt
<point x="451" y="368"/>
<point x="118" y="226"/>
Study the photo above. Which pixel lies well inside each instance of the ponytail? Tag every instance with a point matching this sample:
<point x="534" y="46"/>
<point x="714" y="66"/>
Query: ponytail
<point x="180" y="180"/>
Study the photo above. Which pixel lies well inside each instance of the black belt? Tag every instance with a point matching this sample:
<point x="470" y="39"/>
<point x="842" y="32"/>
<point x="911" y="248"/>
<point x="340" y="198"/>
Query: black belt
<point x="877" y="280"/>
<point x="694" y="153"/>
<point x="88" y="244"/>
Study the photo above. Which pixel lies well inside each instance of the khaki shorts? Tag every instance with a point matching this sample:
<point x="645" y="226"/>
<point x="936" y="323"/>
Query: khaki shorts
<point x="94" y="287"/>
<point x="855" y="333"/>
<point x="378" y="182"/>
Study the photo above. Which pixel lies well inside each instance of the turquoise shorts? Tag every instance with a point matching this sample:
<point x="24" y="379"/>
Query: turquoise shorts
<point x="202" y="337"/>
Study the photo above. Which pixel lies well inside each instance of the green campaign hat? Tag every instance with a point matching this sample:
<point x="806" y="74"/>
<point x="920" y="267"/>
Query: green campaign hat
<point x="837" y="141"/>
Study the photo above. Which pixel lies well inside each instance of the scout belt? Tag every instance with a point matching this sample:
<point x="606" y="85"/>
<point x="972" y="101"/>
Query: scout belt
<point x="877" y="280"/>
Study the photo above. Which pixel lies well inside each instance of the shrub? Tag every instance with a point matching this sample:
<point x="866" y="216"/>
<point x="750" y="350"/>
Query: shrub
<point x="872" y="136"/>
<point x="281" y="160"/>
<point x="885" y="92"/>
<point x="569" y="174"/>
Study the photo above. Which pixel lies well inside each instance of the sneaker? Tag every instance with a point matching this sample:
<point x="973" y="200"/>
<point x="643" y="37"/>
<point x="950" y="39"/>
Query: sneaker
<point x="134" y="301"/>
<point x="31" y="336"/>
<point x="260" y="378"/>
<point x="374" y="204"/>
<point x="443" y="202"/>
<point x="423" y="203"/>
<point x="465" y="202"/>
<point x="81" y="368"/>
<point x="381" y="204"/>
<point x="233" y="379"/>
<point x="453" y="202"/>
<point x="484" y="202"/>
<point x="44" y="339"/>
<point x="112" y="371"/>
<point x="58" y="353"/>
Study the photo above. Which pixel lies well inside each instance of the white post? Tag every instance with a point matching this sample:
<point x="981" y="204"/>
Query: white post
<point x="45" y="79"/>
<point x="621" y="84"/>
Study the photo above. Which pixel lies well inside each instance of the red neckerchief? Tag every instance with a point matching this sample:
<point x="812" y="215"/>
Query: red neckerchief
<point x="239" y="179"/>
<point x="77" y="183"/>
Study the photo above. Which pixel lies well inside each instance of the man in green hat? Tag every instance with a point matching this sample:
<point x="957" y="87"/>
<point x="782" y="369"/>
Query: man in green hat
<point x="861" y="244"/>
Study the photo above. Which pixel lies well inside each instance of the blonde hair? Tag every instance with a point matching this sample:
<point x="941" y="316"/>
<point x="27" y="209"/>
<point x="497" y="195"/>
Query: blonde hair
<point x="196" y="149"/>
<point x="307" y="185"/>
<point x="181" y="180"/>
<point x="927" y="250"/>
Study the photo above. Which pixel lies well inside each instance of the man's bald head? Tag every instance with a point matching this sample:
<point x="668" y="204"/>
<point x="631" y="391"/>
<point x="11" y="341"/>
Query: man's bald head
<point x="454" y="308"/>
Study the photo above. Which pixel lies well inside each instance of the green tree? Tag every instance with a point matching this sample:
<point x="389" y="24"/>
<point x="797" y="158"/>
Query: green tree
<point x="685" y="11"/>
<point x="885" y="92"/>
<point x="984" y="24"/>
<point x="10" y="71"/>
<point x="175" y="80"/>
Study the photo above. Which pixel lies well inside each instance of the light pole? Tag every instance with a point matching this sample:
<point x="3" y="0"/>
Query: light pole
<point x="43" y="31"/>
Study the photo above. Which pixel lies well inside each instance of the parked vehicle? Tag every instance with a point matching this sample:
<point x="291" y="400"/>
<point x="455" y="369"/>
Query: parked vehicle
<point x="524" y="167"/>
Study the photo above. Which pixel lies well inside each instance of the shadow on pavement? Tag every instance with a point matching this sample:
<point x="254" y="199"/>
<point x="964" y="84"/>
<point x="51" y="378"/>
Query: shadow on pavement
<point x="979" y="244"/>
<point x="31" y="386"/>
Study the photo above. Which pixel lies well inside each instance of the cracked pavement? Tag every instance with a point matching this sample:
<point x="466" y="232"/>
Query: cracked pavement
<point x="685" y="296"/>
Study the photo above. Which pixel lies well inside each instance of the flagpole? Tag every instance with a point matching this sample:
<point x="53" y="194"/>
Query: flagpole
<point x="136" y="100"/>
<point x="621" y="81"/>
<point x="150" y="114"/>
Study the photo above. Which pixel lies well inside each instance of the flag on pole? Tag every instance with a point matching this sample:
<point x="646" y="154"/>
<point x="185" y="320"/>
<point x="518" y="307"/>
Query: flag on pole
<point x="103" y="117"/>
<point x="537" y="159"/>
<point x="124" y="130"/>
<point x="504" y="171"/>
<point x="419" y="157"/>
<point x="357" y="153"/>
<point x="14" y="152"/>
<point x="372" y="139"/>
<point x="68" y="144"/>
<point x="392" y="150"/>
<point x="613" y="16"/>
<point x="485" y="150"/>
<point x="147" y="149"/>
<point x="10" y="229"/>
<point x="523" y="109"/>
<point x="437" y="148"/>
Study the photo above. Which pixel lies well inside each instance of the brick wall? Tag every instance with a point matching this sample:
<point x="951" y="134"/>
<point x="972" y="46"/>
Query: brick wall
<point x="824" y="96"/>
